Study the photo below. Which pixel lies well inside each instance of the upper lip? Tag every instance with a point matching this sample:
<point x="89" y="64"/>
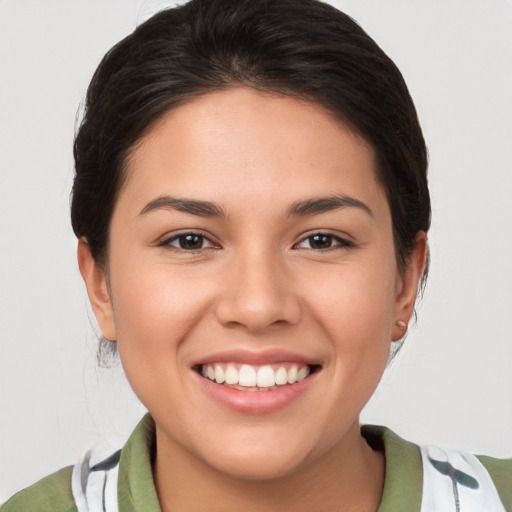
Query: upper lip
<point x="256" y="357"/>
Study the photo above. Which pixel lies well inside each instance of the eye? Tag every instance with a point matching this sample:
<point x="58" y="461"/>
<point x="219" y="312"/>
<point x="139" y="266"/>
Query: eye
<point x="323" y="241"/>
<point x="188" y="242"/>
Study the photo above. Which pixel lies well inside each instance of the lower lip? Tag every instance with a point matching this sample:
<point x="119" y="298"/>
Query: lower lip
<point x="255" y="402"/>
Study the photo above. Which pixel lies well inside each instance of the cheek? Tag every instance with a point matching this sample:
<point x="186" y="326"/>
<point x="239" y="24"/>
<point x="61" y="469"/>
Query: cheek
<point x="355" y="303"/>
<point x="354" y="308"/>
<point x="155" y="308"/>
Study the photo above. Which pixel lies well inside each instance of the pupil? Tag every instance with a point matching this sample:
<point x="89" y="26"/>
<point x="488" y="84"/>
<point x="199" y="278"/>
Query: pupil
<point x="321" y="241"/>
<point x="191" y="241"/>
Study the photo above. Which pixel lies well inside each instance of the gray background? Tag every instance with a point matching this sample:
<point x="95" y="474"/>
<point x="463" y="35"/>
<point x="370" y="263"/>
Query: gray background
<point x="452" y="383"/>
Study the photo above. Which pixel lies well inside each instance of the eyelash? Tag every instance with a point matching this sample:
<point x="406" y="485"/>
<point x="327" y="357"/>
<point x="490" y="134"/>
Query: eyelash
<point x="168" y="242"/>
<point x="340" y="243"/>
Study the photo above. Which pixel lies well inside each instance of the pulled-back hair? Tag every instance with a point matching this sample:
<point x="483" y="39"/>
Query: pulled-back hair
<point x="300" y="48"/>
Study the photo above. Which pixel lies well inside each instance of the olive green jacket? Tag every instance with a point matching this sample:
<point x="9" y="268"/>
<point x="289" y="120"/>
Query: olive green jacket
<point x="136" y="489"/>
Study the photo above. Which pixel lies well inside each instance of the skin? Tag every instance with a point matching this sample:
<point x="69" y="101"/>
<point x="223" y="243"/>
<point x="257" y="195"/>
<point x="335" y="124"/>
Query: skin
<point x="256" y="284"/>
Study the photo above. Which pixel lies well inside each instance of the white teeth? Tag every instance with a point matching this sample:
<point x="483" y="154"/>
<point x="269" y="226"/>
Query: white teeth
<point x="247" y="376"/>
<point x="231" y="375"/>
<point x="281" y="376"/>
<point x="265" y="377"/>
<point x="303" y="373"/>
<point x="219" y="374"/>
<point x="292" y="375"/>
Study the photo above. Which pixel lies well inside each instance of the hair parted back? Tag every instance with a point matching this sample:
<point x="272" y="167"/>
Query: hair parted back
<point x="300" y="48"/>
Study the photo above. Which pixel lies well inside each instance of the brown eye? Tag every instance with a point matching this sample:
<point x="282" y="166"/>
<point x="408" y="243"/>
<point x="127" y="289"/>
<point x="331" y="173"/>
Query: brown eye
<point x="323" y="241"/>
<point x="320" y="241"/>
<point x="188" y="242"/>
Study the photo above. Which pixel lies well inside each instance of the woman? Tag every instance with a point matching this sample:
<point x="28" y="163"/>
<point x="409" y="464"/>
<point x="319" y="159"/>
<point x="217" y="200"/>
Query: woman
<point x="252" y="208"/>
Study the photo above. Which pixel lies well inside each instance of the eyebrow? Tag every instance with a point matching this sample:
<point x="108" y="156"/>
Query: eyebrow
<point x="191" y="206"/>
<point x="326" y="204"/>
<point x="298" y="208"/>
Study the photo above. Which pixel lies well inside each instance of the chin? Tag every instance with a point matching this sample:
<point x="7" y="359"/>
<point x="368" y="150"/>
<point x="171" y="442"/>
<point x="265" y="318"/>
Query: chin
<point x="260" y="468"/>
<point x="258" y="460"/>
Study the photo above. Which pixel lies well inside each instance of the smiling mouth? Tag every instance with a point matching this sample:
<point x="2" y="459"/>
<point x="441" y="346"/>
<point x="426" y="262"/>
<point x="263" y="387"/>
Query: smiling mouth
<point x="246" y="377"/>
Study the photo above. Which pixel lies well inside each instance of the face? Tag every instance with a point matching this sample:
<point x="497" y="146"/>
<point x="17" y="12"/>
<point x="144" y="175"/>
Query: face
<point x="252" y="283"/>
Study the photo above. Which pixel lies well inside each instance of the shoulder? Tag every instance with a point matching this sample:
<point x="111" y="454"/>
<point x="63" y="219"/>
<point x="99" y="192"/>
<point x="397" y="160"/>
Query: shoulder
<point x="432" y="474"/>
<point x="127" y="470"/>
<point x="51" y="494"/>
<point x="500" y="471"/>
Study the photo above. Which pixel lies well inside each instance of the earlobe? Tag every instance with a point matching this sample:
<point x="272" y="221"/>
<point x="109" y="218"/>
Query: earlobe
<point x="408" y="289"/>
<point x="96" y="283"/>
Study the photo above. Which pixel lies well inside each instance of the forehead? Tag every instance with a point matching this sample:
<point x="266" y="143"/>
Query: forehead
<point x="242" y="143"/>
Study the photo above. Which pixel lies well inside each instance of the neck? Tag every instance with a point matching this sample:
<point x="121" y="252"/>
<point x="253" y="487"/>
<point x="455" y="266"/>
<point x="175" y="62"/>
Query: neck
<point x="349" y="477"/>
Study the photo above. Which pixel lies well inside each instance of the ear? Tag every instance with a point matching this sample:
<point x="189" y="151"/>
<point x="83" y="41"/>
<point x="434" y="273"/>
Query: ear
<point x="407" y="287"/>
<point x="97" y="289"/>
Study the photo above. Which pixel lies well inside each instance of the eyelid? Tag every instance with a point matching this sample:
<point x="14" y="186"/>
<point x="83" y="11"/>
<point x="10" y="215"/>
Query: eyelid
<point x="343" y="241"/>
<point x="166" y="240"/>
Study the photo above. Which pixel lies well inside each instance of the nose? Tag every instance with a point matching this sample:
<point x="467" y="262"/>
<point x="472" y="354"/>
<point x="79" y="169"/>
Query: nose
<point x="258" y="293"/>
